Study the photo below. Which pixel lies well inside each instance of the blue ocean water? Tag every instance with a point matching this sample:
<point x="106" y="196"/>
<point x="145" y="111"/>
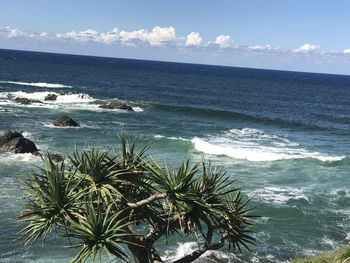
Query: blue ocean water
<point x="285" y="137"/>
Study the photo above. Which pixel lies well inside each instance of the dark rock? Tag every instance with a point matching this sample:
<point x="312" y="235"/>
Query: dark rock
<point x="26" y="101"/>
<point x="65" y="121"/>
<point x="116" y="105"/>
<point x="58" y="158"/>
<point x="6" y="136"/>
<point x="51" y="96"/>
<point x="20" y="145"/>
<point x="13" y="141"/>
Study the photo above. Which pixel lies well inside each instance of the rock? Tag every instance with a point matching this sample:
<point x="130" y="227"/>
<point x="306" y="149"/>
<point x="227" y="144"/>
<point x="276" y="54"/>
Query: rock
<point x="26" y="101"/>
<point x="20" y="145"/>
<point x="58" y="158"/>
<point x="116" y="105"/>
<point x="65" y="121"/>
<point x="13" y="141"/>
<point x="6" y="136"/>
<point x="51" y="96"/>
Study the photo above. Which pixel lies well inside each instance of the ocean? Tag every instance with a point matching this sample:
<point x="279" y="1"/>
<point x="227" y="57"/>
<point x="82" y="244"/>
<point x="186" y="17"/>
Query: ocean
<point x="284" y="137"/>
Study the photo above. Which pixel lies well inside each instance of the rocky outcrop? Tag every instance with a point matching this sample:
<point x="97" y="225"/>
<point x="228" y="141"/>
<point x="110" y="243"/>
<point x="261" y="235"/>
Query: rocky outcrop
<point x="51" y="96"/>
<point x="26" y="101"/>
<point x="13" y="141"/>
<point x="116" y="106"/>
<point x="65" y="121"/>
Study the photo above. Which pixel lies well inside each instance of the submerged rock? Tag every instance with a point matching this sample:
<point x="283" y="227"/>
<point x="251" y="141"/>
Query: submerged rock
<point x="116" y="105"/>
<point x="26" y="101"/>
<point x="13" y="141"/>
<point x="65" y="121"/>
<point x="51" y="96"/>
<point x="58" y="158"/>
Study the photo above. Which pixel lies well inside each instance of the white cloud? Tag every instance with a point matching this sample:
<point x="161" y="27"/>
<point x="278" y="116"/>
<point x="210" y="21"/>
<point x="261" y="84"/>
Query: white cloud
<point x="44" y="35"/>
<point x="193" y="39"/>
<point x="110" y="37"/>
<point x="12" y="32"/>
<point x="306" y="48"/>
<point x="346" y="51"/>
<point x="223" y="40"/>
<point x="261" y="47"/>
<point x="86" y="35"/>
<point x="158" y="36"/>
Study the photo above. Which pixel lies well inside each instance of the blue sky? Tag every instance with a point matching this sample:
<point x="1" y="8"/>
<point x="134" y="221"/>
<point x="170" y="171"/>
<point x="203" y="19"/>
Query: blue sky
<point x="291" y="34"/>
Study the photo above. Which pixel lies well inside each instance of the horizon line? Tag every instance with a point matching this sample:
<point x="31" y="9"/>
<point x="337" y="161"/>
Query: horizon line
<point x="176" y="62"/>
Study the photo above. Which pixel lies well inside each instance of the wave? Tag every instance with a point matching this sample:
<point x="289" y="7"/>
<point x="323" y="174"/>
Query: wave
<point x="187" y="248"/>
<point x="137" y="109"/>
<point x="10" y="158"/>
<point x="82" y="125"/>
<point x="70" y="101"/>
<point x="257" y="146"/>
<point x="170" y="138"/>
<point x="279" y="195"/>
<point x="38" y="84"/>
<point x="244" y="116"/>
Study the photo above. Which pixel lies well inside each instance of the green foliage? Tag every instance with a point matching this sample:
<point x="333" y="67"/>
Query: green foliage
<point x="101" y="198"/>
<point x="340" y="256"/>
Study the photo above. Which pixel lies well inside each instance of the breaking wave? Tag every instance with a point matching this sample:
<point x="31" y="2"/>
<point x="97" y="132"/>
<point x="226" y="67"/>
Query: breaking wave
<point x="69" y="100"/>
<point x="170" y="138"/>
<point x="257" y="146"/>
<point x="38" y="84"/>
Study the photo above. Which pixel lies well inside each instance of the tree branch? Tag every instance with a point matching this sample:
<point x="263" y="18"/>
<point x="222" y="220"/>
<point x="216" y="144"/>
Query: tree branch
<point x="147" y="200"/>
<point x="200" y="251"/>
<point x="205" y="247"/>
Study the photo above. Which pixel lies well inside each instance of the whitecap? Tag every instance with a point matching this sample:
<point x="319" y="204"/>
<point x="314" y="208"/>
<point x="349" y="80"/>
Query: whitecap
<point x="8" y="158"/>
<point x="157" y="136"/>
<point x="137" y="109"/>
<point x="69" y="101"/>
<point x="63" y="101"/>
<point x="82" y="125"/>
<point x="257" y="146"/>
<point x="186" y="248"/>
<point x="38" y="84"/>
<point x="279" y="195"/>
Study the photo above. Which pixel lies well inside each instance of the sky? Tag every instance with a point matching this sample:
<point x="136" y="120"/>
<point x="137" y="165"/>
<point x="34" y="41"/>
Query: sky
<point x="300" y="35"/>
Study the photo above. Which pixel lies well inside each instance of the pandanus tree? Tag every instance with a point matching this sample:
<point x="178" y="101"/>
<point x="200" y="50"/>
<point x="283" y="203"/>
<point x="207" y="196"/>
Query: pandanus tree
<point x="125" y="202"/>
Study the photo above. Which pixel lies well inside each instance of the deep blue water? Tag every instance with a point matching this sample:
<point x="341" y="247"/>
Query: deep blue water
<point x="285" y="137"/>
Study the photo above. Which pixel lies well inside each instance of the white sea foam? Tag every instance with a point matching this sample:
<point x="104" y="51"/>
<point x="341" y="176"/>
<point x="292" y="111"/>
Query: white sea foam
<point x="347" y="237"/>
<point x="257" y="146"/>
<point x="61" y="98"/>
<point x="186" y="248"/>
<point x="65" y="101"/>
<point x="70" y="101"/>
<point x="38" y="84"/>
<point x="279" y="195"/>
<point x="8" y="158"/>
<point x="118" y="123"/>
<point x="170" y="138"/>
<point x="137" y="109"/>
<point x="82" y="125"/>
<point x="27" y="135"/>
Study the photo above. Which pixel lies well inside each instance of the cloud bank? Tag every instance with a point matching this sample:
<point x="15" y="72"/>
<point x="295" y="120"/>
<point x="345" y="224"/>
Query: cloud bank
<point x="164" y="43"/>
<point x="157" y="37"/>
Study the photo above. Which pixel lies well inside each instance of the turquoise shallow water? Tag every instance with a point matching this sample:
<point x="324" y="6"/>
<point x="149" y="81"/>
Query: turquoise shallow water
<point x="284" y="136"/>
